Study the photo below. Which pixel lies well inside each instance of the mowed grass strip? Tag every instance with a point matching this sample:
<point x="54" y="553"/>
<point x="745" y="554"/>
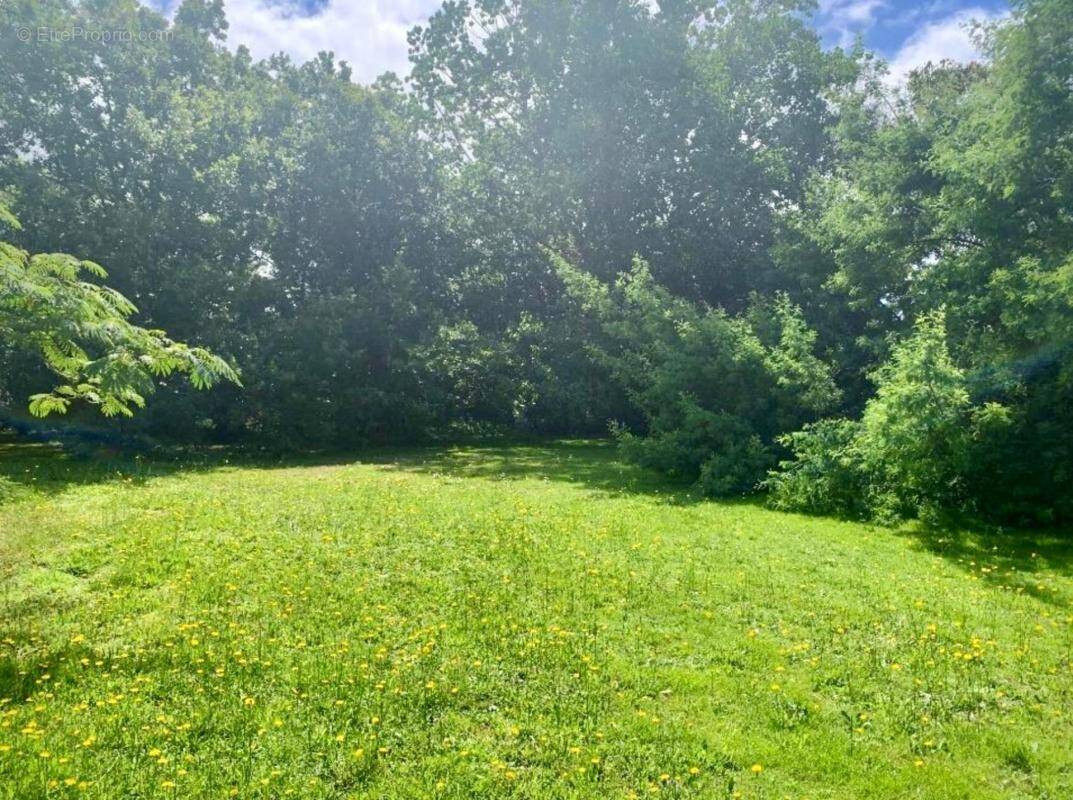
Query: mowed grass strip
<point x="509" y="622"/>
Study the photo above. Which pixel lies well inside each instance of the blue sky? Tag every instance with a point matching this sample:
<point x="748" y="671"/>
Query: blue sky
<point x="907" y="33"/>
<point x="371" y="34"/>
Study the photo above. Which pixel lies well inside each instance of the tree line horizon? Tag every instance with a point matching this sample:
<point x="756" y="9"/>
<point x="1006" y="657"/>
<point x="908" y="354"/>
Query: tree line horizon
<point x="752" y="259"/>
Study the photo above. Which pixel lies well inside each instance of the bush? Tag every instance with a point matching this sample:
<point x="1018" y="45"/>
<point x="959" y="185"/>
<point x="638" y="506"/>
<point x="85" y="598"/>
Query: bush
<point x="910" y="453"/>
<point x="713" y="390"/>
<point x="914" y="439"/>
<point x="717" y="450"/>
<point x="826" y="473"/>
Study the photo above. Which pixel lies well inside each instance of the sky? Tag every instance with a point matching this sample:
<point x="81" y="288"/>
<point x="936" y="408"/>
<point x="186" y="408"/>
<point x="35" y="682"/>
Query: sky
<point x="371" y="34"/>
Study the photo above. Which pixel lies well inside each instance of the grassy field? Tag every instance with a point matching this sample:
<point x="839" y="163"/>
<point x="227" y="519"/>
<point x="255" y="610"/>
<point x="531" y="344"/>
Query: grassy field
<point x="508" y="622"/>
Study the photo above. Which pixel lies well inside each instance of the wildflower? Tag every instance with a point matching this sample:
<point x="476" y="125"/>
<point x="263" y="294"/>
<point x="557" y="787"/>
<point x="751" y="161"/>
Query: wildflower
<point x="756" y="769"/>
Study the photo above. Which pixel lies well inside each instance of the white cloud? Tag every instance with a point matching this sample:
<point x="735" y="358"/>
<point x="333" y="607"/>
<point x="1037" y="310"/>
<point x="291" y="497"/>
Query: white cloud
<point x="369" y="34"/>
<point x="947" y="38"/>
<point x="847" y="18"/>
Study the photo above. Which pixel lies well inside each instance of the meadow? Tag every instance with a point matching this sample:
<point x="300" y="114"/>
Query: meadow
<point x="508" y="621"/>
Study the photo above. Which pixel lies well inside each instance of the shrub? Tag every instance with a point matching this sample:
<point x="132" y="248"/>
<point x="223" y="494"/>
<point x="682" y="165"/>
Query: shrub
<point x="826" y="473"/>
<point x="914" y="438"/>
<point x="713" y="390"/>
<point x="912" y="449"/>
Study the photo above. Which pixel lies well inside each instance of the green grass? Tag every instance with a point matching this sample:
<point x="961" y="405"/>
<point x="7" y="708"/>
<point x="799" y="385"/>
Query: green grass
<point x="508" y="622"/>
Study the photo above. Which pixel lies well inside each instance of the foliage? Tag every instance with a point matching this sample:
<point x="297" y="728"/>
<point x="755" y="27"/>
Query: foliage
<point x="712" y="393"/>
<point x="81" y="332"/>
<point x="914" y="432"/>
<point x="911" y="451"/>
<point x="826" y="474"/>
<point x="955" y="195"/>
<point x="371" y="257"/>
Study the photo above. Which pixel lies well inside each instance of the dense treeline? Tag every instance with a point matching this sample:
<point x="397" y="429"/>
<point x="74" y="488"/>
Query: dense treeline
<point x="694" y="225"/>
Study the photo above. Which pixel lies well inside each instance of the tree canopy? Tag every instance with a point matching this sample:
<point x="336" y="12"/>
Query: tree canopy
<point x="691" y="223"/>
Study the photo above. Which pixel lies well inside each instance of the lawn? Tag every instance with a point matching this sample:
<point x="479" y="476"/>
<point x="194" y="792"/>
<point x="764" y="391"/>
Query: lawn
<point x="529" y="621"/>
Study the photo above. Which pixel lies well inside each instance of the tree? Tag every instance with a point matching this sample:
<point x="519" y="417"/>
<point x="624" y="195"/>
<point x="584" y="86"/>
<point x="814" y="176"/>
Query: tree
<point x="81" y="331"/>
<point x="957" y="194"/>
<point x="712" y="391"/>
<point x="909" y="454"/>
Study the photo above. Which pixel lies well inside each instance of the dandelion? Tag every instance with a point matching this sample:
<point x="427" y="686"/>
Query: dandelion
<point x="756" y="769"/>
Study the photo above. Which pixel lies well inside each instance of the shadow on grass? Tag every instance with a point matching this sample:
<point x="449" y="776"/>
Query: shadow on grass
<point x="49" y="468"/>
<point x="1004" y="558"/>
<point x="594" y="465"/>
